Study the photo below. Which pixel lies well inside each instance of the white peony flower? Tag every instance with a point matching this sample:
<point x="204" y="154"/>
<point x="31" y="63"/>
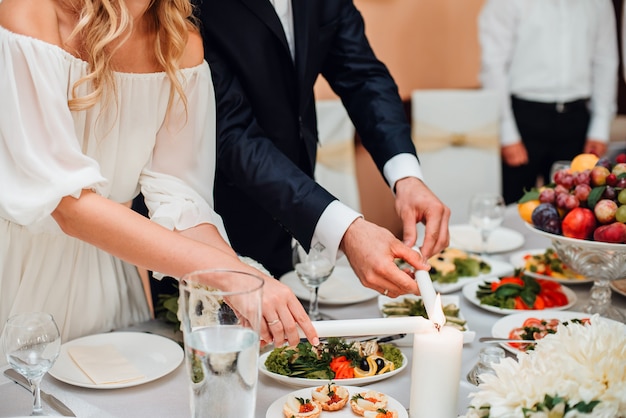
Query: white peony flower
<point x="579" y="364"/>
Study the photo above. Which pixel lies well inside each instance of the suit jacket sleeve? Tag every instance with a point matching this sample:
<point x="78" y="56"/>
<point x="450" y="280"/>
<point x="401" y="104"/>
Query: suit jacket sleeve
<point x="366" y="88"/>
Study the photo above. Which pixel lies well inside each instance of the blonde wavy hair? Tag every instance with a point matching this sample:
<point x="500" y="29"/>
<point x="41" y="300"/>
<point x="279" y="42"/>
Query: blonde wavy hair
<point x="104" y="25"/>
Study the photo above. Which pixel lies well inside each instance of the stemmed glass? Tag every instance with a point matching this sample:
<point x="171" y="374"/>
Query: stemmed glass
<point x="486" y="214"/>
<point x="313" y="268"/>
<point x="31" y="344"/>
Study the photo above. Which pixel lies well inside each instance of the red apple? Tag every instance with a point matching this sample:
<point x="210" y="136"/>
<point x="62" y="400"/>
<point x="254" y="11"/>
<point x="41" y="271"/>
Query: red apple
<point x="579" y="223"/>
<point x="605" y="211"/>
<point x="614" y="232"/>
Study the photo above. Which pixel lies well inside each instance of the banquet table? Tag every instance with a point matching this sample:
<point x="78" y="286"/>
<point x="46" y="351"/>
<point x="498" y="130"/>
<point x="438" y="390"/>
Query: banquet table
<point x="169" y="395"/>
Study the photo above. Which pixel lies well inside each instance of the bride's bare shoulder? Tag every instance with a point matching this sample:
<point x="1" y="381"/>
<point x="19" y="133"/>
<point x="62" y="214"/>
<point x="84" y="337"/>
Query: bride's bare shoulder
<point x="34" y="18"/>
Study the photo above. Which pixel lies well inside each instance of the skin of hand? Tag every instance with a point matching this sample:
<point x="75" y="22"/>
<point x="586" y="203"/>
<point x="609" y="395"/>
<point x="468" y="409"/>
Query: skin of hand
<point x="594" y="146"/>
<point x="128" y="235"/>
<point x="371" y="251"/>
<point x="515" y="154"/>
<point x="414" y="203"/>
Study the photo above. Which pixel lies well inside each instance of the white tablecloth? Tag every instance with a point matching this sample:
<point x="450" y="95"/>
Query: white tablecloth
<point x="169" y="397"/>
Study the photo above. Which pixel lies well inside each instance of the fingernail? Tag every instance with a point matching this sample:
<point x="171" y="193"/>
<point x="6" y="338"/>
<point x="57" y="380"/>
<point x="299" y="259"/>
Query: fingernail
<point x="316" y="341"/>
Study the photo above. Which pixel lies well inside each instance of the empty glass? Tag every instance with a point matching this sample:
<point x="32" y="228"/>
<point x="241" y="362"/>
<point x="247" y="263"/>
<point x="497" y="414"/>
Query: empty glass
<point x="313" y="268"/>
<point x="486" y="214"/>
<point x="31" y="344"/>
<point x="486" y="359"/>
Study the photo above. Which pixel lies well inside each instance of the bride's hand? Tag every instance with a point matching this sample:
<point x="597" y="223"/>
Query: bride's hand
<point x="283" y="314"/>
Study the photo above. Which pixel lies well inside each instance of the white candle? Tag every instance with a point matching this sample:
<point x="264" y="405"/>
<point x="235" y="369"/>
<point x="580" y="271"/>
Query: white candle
<point x="375" y="326"/>
<point x="427" y="291"/>
<point x="435" y="373"/>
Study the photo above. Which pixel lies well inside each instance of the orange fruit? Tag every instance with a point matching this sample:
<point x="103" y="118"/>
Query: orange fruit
<point x="583" y="162"/>
<point x="526" y="210"/>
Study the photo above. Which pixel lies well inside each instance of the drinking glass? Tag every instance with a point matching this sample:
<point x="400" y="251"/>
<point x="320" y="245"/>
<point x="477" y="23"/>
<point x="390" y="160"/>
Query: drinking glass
<point x="31" y="343"/>
<point x="486" y="214"/>
<point x="313" y="269"/>
<point x="221" y="319"/>
<point x="487" y="357"/>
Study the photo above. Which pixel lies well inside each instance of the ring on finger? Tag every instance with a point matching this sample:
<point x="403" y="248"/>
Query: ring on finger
<point x="274" y="322"/>
<point x="385" y="292"/>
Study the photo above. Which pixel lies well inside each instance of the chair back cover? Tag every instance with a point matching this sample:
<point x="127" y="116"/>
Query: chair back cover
<point x="456" y="134"/>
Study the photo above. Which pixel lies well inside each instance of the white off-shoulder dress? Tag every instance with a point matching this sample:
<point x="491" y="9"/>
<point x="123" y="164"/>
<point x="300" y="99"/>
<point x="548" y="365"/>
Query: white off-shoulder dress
<point x="48" y="152"/>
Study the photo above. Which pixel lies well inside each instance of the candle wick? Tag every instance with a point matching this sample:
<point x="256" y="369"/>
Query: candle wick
<point x="438" y="327"/>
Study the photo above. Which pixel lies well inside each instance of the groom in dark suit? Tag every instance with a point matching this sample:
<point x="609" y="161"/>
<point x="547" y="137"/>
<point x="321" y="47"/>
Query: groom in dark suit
<point x="265" y="56"/>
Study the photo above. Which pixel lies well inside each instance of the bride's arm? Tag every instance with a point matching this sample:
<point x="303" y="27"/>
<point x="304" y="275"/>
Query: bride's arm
<point x="128" y="235"/>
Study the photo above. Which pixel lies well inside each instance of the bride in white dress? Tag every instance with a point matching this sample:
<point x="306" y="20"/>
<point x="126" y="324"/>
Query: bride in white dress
<point x="72" y="158"/>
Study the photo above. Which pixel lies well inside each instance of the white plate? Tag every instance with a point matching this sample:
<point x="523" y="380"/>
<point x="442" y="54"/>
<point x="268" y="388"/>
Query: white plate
<point x="467" y="238"/>
<point x="468" y="336"/>
<point x="276" y="408"/>
<point x="303" y="382"/>
<point x="343" y="287"/>
<point x="619" y="286"/>
<point x="153" y="355"/>
<point x="498" y="269"/>
<point x="502" y="327"/>
<point x="469" y="292"/>
<point x="518" y="261"/>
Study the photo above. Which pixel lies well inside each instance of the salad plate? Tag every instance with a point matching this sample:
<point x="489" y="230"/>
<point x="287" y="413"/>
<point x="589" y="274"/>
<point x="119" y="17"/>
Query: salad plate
<point x="469" y="291"/>
<point x="153" y="355"/>
<point x="502" y="327"/>
<point x="407" y="341"/>
<point x="304" y="382"/>
<point x="498" y="268"/>
<point x="518" y="260"/>
<point x="276" y="408"/>
<point x="342" y="287"/>
<point x="467" y="238"/>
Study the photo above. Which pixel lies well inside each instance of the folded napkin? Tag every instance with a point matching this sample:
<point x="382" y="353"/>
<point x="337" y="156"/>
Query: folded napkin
<point x="104" y="364"/>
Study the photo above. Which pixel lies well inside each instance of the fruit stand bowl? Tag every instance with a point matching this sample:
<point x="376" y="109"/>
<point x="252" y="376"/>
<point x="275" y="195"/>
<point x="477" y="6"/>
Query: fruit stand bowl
<point x="603" y="262"/>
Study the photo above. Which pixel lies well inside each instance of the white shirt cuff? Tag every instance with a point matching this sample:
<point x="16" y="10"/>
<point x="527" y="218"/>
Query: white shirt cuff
<point x="331" y="227"/>
<point x="401" y="166"/>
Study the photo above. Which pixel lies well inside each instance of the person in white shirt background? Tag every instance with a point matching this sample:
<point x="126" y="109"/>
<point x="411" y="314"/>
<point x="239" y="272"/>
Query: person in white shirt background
<point x="554" y="64"/>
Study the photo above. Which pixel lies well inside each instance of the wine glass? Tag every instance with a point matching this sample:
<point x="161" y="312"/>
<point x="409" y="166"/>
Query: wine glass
<point x="486" y="214"/>
<point x="313" y="268"/>
<point x="31" y="344"/>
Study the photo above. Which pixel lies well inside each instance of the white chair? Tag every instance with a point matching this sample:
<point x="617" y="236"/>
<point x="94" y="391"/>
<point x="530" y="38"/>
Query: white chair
<point x="457" y="139"/>
<point x="336" y="168"/>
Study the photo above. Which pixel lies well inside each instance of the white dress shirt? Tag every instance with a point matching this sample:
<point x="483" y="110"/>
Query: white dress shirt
<point x="551" y="51"/>
<point x="337" y="217"/>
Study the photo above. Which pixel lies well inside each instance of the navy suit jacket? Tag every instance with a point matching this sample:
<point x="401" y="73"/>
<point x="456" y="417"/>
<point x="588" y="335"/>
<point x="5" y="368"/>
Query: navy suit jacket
<point x="266" y="121"/>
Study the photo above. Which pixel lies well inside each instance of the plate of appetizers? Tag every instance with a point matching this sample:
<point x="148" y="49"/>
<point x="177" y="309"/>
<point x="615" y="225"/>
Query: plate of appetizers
<point x="544" y="263"/>
<point x="532" y="325"/>
<point x="342" y="287"/>
<point x="412" y="305"/>
<point x="467" y="238"/>
<point x="471" y="293"/>
<point x="355" y="399"/>
<point x="452" y="268"/>
<point x="304" y="365"/>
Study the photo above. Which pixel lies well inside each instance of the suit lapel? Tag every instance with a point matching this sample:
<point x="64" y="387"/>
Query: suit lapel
<point x="265" y="12"/>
